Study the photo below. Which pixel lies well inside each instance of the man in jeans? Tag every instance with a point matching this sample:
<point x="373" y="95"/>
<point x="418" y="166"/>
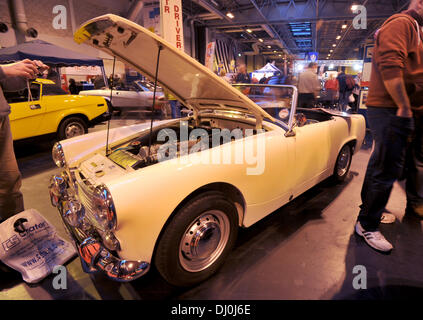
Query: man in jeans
<point x="344" y="90"/>
<point x="395" y="117"/>
<point x="13" y="77"/>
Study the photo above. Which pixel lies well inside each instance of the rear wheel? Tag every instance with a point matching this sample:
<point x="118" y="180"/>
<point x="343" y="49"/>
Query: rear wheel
<point x="197" y="240"/>
<point x="72" y="127"/>
<point x="343" y="163"/>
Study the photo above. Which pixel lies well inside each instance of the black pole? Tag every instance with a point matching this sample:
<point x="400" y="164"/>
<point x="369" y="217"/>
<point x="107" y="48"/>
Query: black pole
<point x="154" y="98"/>
<point x="111" y="111"/>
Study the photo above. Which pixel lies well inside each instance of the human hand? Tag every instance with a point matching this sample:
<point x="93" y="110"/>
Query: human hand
<point x="41" y="66"/>
<point x="404" y="113"/>
<point x="25" y="69"/>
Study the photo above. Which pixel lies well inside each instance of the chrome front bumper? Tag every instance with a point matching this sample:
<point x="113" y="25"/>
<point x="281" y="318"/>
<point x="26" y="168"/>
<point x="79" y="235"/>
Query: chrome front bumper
<point x="94" y="255"/>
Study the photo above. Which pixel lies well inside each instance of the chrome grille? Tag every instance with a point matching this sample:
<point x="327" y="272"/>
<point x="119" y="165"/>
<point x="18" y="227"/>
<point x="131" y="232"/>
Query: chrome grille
<point x="85" y="192"/>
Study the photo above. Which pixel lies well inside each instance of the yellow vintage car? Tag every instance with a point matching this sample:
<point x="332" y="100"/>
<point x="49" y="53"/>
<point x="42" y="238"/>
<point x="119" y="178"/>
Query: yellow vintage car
<point x="49" y="109"/>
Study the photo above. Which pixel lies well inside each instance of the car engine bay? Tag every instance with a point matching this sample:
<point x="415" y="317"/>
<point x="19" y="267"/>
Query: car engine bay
<point x="137" y="154"/>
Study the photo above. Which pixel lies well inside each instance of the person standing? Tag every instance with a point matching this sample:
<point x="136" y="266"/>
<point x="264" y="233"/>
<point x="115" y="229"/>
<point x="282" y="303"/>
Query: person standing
<point x="13" y="77"/>
<point x="332" y="88"/>
<point x="395" y="116"/>
<point x="346" y="86"/>
<point x="242" y="76"/>
<point x="174" y="105"/>
<point x="277" y="78"/>
<point x="72" y="86"/>
<point x="356" y="93"/>
<point x="308" y="87"/>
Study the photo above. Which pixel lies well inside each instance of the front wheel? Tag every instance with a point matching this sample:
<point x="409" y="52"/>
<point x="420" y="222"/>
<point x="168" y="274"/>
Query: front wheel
<point x="343" y="163"/>
<point x="197" y="240"/>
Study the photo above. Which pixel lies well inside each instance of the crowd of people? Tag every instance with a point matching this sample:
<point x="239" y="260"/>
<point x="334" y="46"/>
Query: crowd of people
<point x="341" y="92"/>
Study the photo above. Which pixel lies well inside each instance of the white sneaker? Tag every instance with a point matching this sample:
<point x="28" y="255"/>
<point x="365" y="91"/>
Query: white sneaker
<point x="374" y="239"/>
<point x="387" y="218"/>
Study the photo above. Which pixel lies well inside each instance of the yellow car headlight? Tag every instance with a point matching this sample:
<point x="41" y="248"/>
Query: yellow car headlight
<point x="58" y="155"/>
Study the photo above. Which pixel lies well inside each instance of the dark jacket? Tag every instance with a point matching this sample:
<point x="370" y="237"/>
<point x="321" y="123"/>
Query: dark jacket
<point x="342" y="80"/>
<point x="9" y="84"/>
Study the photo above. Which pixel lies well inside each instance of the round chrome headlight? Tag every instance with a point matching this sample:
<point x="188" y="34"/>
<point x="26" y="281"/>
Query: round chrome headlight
<point x="104" y="208"/>
<point x="58" y="155"/>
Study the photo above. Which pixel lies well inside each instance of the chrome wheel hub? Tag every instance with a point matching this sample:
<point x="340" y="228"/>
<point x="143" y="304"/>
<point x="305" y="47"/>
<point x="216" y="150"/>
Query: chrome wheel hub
<point x="344" y="161"/>
<point x="74" y="129"/>
<point x="204" y="241"/>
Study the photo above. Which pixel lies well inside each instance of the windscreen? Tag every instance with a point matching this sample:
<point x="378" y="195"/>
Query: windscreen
<point x="275" y="100"/>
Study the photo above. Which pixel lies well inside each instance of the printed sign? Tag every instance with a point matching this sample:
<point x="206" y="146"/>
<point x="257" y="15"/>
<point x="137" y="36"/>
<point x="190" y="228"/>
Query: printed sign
<point x="211" y="46"/>
<point x="313" y="56"/>
<point x="172" y="23"/>
<point x="82" y="70"/>
<point x="368" y="53"/>
<point x="152" y="19"/>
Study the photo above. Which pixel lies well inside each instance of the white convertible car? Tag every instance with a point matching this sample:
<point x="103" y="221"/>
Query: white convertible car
<point x="175" y="194"/>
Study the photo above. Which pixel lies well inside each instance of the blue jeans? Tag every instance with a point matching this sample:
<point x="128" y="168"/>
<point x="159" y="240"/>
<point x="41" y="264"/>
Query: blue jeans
<point x="176" y="110"/>
<point x="344" y="99"/>
<point x="392" y="159"/>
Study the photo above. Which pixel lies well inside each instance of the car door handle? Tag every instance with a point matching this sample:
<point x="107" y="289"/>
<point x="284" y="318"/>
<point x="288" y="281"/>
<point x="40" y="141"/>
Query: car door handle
<point x="35" y="106"/>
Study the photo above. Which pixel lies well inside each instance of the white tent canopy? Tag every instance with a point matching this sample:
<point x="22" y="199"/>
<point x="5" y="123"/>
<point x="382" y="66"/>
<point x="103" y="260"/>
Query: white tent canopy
<point x="267" y="71"/>
<point x="268" y="68"/>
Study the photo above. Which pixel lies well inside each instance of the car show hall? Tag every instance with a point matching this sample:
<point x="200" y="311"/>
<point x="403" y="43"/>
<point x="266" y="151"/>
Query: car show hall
<point x="211" y="150"/>
<point x="305" y="250"/>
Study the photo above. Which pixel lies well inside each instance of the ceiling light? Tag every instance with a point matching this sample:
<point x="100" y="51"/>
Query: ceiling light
<point x="274" y="51"/>
<point x="249" y="30"/>
<point x="338" y="37"/>
<point x="357" y="67"/>
<point x="261" y="40"/>
<point x="354" y="7"/>
<point x="269" y="47"/>
<point x="230" y="15"/>
<point x="331" y="50"/>
<point x="280" y="55"/>
<point x="329" y="55"/>
<point x="344" y="26"/>
<point x="334" y="45"/>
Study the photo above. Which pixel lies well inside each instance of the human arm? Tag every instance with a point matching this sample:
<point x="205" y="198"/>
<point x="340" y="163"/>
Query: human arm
<point x="395" y="42"/>
<point x="13" y="76"/>
<point x="396" y="88"/>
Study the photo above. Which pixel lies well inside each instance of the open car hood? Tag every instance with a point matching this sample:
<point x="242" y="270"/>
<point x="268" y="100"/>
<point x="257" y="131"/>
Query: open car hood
<point x="189" y="81"/>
